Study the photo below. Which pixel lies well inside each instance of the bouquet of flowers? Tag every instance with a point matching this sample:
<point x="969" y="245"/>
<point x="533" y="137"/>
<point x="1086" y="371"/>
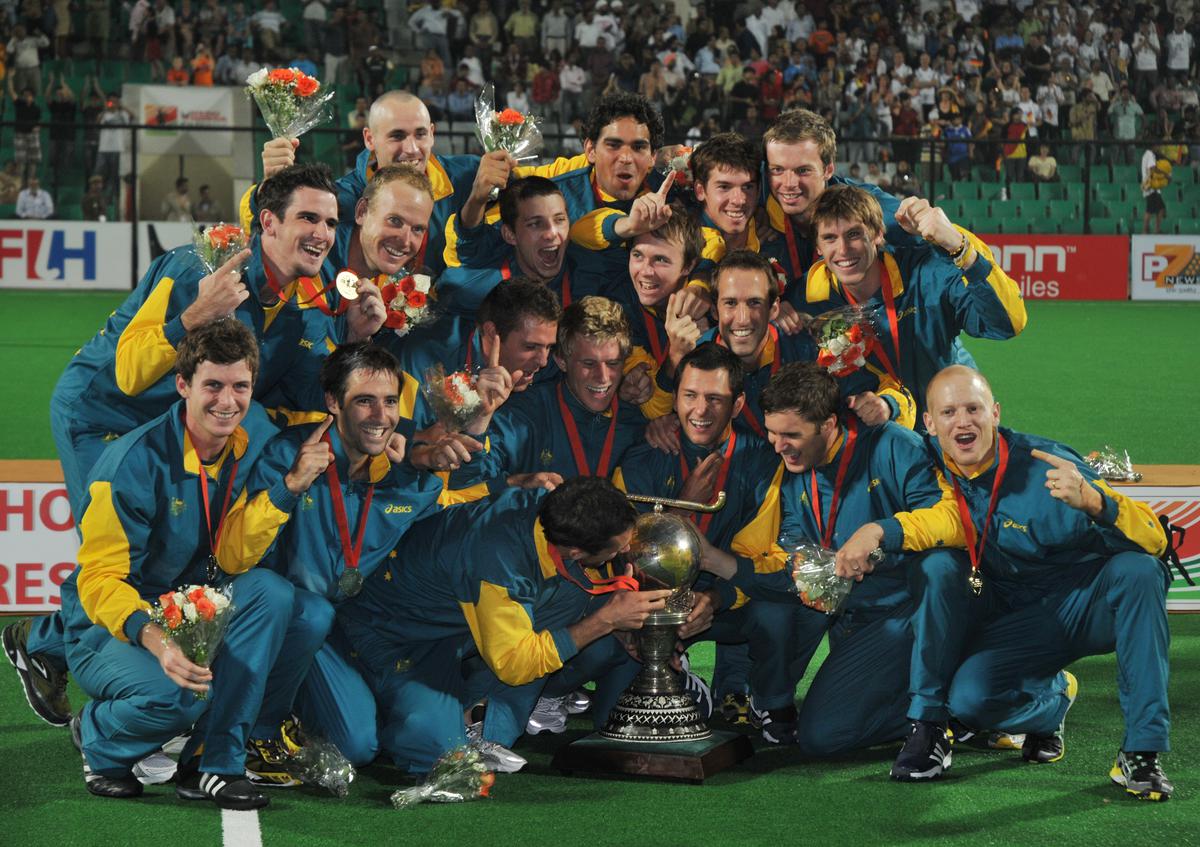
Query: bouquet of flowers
<point x="323" y="764"/>
<point x="453" y="397"/>
<point x="813" y="572"/>
<point x="845" y="337"/>
<point x="217" y="244"/>
<point x="408" y="300"/>
<point x="1111" y="464"/>
<point x="674" y="163"/>
<point x="291" y="102"/>
<point x="194" y="618"/>
<point x="509" y="130"/>
<point x="457" y="777"/>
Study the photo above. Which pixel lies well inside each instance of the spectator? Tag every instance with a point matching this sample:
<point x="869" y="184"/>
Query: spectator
<point x="906" y="123"/>
<point x="522" y="27"/>
<point x="958" y="151"/>
<point x="461" y="102"/>
<point x="1155" y="176"/>
<point x="97" y="19"/>
<point x="730" y="73"/>
<point x="178" y="74"/>
<point x="24" y="63"/>
<point x="206" y="210"/>
<point x="752" y="126"/>
<point x="268" y="25"/>
<point x="10" y="183"/>
<point x="435" y="26"/>
<point x="315" y="14"/>
<point x="518" y="99"/>
<point x="177" y="206"/>
<point x="35" y="203"/>
<point x="63" y="110"/>
<point x="336" y="45"/>
<point x="1084" y="115"/>
<point x="1180" y="45"/>
<point x="27" y="146"/>
<point x="743" y="95"/>
<point x="210" y="25"/>
<point x="203" y="66"/>
<point x="1015" y="154"/>
<point x="112" y="143"/>
<point x="375" y="70"/>
<point x="1146" y="54"/>
<point x="433" y="69"/>
<point x="572" y="79"/>
<point x="556" y="30"/>
<point x="545" y="89"/>
<point x="303" y="63"/>
<point x="92" y="205"/>
<point x="1043" y="167"/>
<point x="1123" y="121"/>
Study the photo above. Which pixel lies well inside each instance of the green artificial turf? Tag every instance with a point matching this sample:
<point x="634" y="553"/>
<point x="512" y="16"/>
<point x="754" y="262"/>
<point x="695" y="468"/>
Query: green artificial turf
<point x="776" y="798"/>
<point x="1088" y="374"/>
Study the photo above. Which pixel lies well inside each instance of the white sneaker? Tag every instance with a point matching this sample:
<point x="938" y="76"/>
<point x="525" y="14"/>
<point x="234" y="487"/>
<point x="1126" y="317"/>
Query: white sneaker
<point x="495" y="758"/>
<point x="155" y="769"/>
<point x="549" y="715"/>
<point x="578" y="702"/>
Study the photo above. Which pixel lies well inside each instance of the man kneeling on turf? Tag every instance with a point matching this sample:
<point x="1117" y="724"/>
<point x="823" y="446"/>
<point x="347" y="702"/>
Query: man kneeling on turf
<point x="151" y="523"/>
<point x="1069" y="569"/>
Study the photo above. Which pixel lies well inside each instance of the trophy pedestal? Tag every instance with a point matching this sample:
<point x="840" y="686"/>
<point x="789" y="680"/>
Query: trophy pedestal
<point x="686" y="761"/>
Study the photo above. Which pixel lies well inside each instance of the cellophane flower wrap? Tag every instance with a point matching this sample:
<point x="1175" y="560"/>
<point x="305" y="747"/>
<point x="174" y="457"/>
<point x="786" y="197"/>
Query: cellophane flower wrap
<point x="509" y="130"/>
<point x="452" y="397"/>
<point x="217" y="244"/>
<point x="816" y="582"/>
<point x="457" y="777"/>
<point x="194" y="617"/>
<point x="674" y="162"/>
<point x="1112" y="464"/>
<point x="322" y="763"/>
<point x="409" y="301"/>
<point x="845" y="337"/>
<point x="291" y="102"/>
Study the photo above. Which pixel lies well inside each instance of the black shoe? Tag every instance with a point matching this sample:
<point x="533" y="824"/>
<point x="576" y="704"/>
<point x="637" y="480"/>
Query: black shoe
<point x="228" y="792"/>
<point x="1045" y="749"/>
<point x="1141" y="775"/>
<point x="99" y="784"/>
<point x="273" y="762"/>
<point x="778" y="726"/>
<point x="735" y="709"/>
<point x="45" y="684"/>
<point x="925" y="755"/>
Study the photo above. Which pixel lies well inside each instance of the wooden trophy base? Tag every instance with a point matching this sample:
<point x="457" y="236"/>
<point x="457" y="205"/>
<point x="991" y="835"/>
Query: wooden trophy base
<point x="685" y="761"/>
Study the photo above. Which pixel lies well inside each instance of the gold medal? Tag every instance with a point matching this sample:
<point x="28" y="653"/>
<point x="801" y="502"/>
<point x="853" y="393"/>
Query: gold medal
<point x="346" y="283"/>
<point x="350" y="582"/>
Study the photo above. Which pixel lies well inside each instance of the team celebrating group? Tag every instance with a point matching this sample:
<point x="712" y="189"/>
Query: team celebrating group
<point x="402" y="586"/>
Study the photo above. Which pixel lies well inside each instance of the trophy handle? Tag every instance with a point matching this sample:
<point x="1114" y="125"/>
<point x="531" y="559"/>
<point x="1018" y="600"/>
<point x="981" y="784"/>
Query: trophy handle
<point x="660" y="502"/>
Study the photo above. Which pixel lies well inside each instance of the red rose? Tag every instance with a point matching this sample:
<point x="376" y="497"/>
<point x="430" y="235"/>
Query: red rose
<point x="206" y="609"/>
<point x="407" y="285"/>
<point x="855" y="333"/>
<point x="825" y="358"/>
<point x="510" y="117"/>
<point x="282" y="75"/>
<point x="396" y="319"/>
<point x="173" y="616"/>
<point x="306" y="86"/>
<point x="195" y="594"/>
<point x="416" y="299"/>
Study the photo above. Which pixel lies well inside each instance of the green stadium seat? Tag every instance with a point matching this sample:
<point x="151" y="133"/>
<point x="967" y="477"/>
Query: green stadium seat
<point x="952" y="208"/>
<point x="1108" y="192"/>
<point x="1062" y="211"/>
<point x="1051" y="191"/>
<point x="1125" y="175"/>
<point x="1022" y="190"/>
<point x="1070" y="173"/>
<point x="983" y="173"/>
<point x="1109" y="226"/>
<point x="1074" y="191"/>
<point x="1011" y="225"/>
<point x="990" y="190"/>
<point x="976" y="210"/>
<point x="1186" y="226"/>
<point x="964" y="190"/>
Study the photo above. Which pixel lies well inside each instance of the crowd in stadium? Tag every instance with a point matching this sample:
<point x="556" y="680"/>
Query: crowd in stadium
<point x="418" y="513"/>
<point x="983" y="75"/>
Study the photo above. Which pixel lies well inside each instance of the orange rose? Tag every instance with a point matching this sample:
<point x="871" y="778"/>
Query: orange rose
<point x="173" y="615"/>
<point x="306" y="86"/>
<point x="510" y="117"/>
<point x="416" y="299"/>
<point x="222" y="236"/>
<point x="205" y="608"/>
<point x="285" y="76"/>
<point x="195" y="594"/>
<point x="854" y="333"/>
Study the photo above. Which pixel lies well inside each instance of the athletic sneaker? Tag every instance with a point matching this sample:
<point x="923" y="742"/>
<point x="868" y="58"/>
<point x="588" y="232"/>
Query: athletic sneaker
<point x="99" y="784"/>
<point x="960" y="733"/>
<point x="549" y="715"/>
<point x="272" y="762"/>
<point x="45" y="684"/>
<point x="578" y="701"/>
<point x="695" y="687"/>
<point x="495" y="757"/>
<point x="1141" y="775"/>
<point x="155" y="769"/>
<point x="925" y="755"/>
<point x="735" y="709"/>
<point x="1045" y="749"/>
<point x="778" y="726"/>
<point x="228" y="792"/>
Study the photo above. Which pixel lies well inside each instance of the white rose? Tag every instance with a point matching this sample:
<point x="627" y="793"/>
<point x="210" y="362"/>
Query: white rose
<point x="257" y="79"/>
<point x="189" y="612"/>
<point x="179" y="598"/>
<point x="836" y="345"/>
<point x="219" y="600"/>
<point x="422" y="282"/>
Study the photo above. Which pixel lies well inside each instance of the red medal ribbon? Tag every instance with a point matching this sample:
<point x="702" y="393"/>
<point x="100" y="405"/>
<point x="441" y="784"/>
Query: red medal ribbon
<point x="317" y="295"/>
<point x="703" y="521"/>
<point x="793" y="250"/>
<point x="889" y="301"/>
<point x="581" y="462"/>
<point x="350" y="552"/>
<point x="566" y="289"/>
<point x="826" y="528"/>
<point x="604" y="586"/>
<point x="214" y="539"/>
<point x="964" y="512"/>
<point x="657" y="349"/>
<point x="505" y="270"/>
<point x="471" y="349"/>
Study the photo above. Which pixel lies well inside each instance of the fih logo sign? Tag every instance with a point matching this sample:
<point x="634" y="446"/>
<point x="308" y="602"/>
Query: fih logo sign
<point x="1172" y="266"/>
<point x="47" y="254"/>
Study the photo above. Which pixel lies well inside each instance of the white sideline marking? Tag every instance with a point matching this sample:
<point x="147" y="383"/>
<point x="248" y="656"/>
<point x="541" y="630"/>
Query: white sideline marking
<point x="240" y="829"/>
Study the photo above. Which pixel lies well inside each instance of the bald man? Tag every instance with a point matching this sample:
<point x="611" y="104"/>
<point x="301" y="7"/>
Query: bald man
<point x="400" y="130"/>
<point x="1061" y="567"/>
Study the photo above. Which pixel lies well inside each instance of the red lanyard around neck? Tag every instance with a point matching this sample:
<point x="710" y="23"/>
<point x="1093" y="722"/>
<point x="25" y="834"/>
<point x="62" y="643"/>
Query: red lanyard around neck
<point x="581" y="462"/>
<point x="974" y="548"/>
<point x="350" y="552"/>
<point x="826" y="527"/>
<point x="705" y="520"/>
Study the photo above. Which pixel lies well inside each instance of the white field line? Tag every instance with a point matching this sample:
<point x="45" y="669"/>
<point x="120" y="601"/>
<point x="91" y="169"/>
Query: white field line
<point x="240" y="829"/>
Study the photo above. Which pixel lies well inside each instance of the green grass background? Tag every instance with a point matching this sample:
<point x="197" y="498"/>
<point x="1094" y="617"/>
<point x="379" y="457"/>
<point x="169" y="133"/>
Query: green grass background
<point x="1085" y="373"/>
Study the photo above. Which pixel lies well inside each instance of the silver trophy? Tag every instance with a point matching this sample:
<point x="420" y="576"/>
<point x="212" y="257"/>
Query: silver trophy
<point x="665" y="553"/>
